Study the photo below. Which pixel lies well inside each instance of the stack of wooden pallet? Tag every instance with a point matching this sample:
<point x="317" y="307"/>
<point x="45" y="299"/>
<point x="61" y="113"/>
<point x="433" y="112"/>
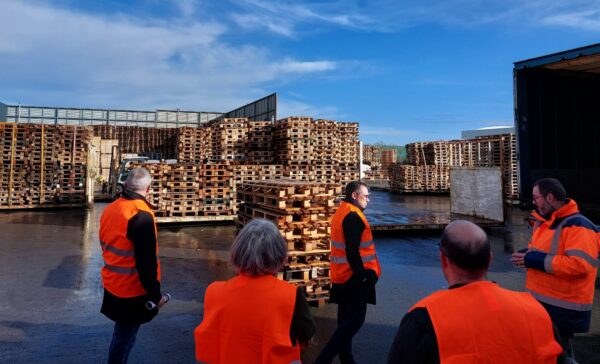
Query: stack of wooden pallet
<point x="489" y="151"/>
<point x="229" y="138"/>
<point x="293" y="143"/>
<point x="259" y="146"/>
<point x="217" y="189"/>
<point x="160" y="142"/>
<point x="189" y="145"/>
<point x="302" y="211"/>
<point x="349" y="146"/>
<point x="43" y="165"/>
<point x="105" y="158"/>
<point x="509" y="167"/>
<point x="181" y="186"/>
<point x="409" y="178"/>
<point x="372" y="156"/>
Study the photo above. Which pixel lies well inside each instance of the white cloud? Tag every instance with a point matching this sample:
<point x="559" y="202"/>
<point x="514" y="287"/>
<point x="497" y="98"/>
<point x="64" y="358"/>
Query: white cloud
<point x="57" y="56"/>
<point x="290" y="66"/>
<point x="294" y="107"/>
<point x="587" y="19"/>
<point x="290" y="19"/>
<point x="284" y="18"/>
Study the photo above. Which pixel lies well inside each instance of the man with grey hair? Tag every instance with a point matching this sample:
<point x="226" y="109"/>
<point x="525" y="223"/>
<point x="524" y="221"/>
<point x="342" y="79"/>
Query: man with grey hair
<point x="475" y="320"/>
<point x="254" y="317"/>
<point x="131" y="271"/>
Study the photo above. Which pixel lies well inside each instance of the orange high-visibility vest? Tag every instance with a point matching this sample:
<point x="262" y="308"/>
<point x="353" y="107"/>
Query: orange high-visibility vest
<point x="340" y="270"/>
<point x="247" y="320"/>
<point x="572" y="245"/>
<point x="119" y="275"/>
<point x="483" y="323"/>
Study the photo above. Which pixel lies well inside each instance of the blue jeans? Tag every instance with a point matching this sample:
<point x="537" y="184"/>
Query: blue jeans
<point x="122" y="341"/>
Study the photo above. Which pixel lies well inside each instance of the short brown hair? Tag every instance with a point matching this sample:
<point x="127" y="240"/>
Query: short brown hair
<point x="352" y="187"/>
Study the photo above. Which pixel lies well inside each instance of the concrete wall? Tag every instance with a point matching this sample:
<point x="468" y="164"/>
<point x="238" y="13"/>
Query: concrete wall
<point x="477" y="191"/>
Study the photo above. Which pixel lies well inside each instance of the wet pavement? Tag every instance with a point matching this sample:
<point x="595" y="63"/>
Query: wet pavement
<point x="51" y="290"/>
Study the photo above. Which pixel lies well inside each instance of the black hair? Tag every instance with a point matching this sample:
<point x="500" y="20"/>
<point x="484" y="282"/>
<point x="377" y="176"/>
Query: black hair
<point x="553" y="186"/>
<point x="353" y="186"/>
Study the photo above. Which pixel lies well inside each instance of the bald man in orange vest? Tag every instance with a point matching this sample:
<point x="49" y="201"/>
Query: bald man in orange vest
<point x="475" y="320"/>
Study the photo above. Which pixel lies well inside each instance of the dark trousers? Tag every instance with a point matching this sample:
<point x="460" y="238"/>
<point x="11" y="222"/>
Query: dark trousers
<point x="351" y="316"/>
<point x="122" y="342"/>
<point x="566" y="342"/>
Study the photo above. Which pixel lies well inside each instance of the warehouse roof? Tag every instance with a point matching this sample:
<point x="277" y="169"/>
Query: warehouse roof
<point x="583" y="59"/>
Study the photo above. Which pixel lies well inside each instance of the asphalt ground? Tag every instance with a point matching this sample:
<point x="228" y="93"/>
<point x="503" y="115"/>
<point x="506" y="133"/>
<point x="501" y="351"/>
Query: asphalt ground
<point x="51" y="290"/>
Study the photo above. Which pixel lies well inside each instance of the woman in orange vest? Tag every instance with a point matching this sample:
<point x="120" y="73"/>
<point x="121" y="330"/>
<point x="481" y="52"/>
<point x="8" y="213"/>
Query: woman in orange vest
<point x="254" y="317"/>
<point x="475" y="320"/>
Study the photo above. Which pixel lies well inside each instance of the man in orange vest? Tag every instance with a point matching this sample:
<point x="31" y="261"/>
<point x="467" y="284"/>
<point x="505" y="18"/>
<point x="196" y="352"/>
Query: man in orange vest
<point x="354" y="271"/>
<point x="561" y="260"/>
<point x="475" y="320"/>
<point x="131" y="271"/>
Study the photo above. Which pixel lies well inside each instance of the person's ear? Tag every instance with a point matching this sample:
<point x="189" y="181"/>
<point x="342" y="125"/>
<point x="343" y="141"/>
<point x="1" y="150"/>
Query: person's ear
<point x="550" y="198"/>
<point x="443" y="259"/>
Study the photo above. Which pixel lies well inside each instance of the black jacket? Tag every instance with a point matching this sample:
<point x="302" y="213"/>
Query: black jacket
<point x="141" y="232"/>
<point x="362" y="281"/>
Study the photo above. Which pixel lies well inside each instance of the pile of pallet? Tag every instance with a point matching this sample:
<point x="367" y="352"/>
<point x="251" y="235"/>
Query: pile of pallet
<point x="185" y="190"/>
<point x="422" y="157"/>
<point x="293" y="143"/>
<point x="158" y="143"/>
<point x="379" y="159"/>
<point x="43" y="165"/>
<point x="259" y="147"/>
<point x="229" y="138"/>
<point x="409" y="178"/>
<point x="217" y="189"/>
<point x="302" y="212"/>
<point x="349" y="153"/>
<point x="372" y="156"/>
<point x="104" y="159"/>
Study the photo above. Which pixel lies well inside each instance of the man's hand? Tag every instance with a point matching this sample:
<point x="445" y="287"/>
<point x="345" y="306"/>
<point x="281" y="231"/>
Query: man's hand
<point x="518" y="258"/>
<point x="165" y="298"/>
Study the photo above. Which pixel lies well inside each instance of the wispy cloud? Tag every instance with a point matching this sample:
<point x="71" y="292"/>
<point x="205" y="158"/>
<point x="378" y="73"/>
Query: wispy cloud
<point x="72" y="58"/>
<point x="287" y="19"/>
<point x="586" y="19"/>
<point x="288" y="106"/>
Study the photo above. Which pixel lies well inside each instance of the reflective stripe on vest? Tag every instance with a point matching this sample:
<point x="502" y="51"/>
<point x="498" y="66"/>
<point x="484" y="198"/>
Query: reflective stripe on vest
<point x="571" y="293"/>
<point x="122" y="253"/>
<point x="339" y="245"/>
<point x="119" y="273"/>
<point x="340" y="260"/>
<point x="561" y="303"/>
<point x="116" y="251"/>
<point x="340" y="270"/>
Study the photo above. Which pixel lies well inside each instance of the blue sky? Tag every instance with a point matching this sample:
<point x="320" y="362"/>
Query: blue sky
<point x="406" y="70"/>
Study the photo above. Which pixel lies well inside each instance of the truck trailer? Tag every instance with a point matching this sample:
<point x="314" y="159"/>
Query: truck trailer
<point x="557" y="120"/>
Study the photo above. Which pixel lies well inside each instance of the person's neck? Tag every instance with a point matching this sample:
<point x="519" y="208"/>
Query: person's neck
<point x="465" y="280"/>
